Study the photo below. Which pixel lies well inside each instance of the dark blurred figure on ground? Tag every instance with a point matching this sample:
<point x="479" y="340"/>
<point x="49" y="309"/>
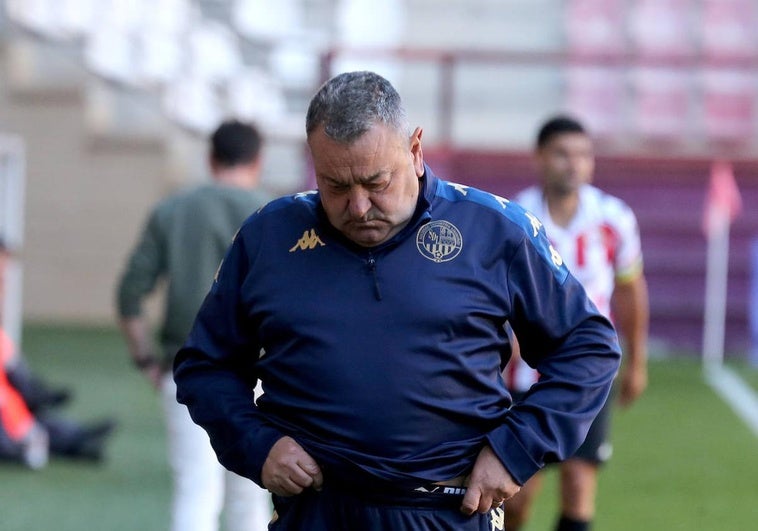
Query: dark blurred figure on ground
<point x="30" y="426"/>
<point x="598" y="237"/>
<point x="183" y="243"/>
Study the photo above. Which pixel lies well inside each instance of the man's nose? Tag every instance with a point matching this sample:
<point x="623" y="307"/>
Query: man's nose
<point x="577" y="160"/>
<point x="359" y="202"/>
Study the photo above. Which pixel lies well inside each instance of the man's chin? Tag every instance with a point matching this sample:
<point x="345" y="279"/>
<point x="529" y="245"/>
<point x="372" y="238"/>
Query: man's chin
<point x="366" y="237"/>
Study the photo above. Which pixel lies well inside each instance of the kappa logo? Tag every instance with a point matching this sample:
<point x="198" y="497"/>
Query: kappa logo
<point x="536" y="224"/>
<point x="309" y="240"/>
<point x="439" y="241"/>
<point x="497" y="516"/>
<point x="461" y="188"/>
<point x="501" y="200"/>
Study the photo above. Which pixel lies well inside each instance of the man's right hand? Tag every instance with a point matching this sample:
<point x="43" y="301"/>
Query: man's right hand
<point x="289" y="469"/>
<point x="154" y="374"/>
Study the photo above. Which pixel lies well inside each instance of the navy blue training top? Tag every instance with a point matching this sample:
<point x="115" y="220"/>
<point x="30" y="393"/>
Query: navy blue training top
<point x="384" y="363"/>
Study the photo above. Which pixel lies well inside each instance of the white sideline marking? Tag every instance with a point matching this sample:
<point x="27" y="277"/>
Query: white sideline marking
<point x="735" y="392"/>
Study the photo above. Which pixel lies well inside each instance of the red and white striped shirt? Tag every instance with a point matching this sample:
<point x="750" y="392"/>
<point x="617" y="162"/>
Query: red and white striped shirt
<point x="600" y="246"/>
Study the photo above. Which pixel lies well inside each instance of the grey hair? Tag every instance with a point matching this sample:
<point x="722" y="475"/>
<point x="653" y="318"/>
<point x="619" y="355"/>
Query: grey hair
<point x="350" y="103"/>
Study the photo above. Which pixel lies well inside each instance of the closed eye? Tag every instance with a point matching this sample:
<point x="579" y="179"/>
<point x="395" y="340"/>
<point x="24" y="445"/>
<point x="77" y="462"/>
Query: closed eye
<point x="338" y="188"/>
<point x="374" y="184"/>
<point x="378" y="186"/>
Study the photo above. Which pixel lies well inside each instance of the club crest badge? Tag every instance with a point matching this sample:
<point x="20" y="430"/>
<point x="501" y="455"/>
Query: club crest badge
<point x="439" y="241"/>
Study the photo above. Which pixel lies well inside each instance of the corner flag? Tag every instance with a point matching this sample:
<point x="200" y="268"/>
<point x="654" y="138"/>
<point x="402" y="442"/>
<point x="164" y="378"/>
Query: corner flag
<point x="723" y="204"/>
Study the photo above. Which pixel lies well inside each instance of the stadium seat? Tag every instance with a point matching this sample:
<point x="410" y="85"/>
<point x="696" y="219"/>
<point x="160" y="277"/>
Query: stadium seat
<point x="728" y="28"/>
<point x="596" y="94"/>
<point x="594" y="26"/>
<point x="254" y="95"/>
<point x="661" y="103"/>
<point x="262" y="20"/>
<point x="658" y="29"/>
<point x="192" y="102"/>
<point x="728" y="104"/>
<point x="365" y="24"/>
<point x="213" y="51"/>
<point x="53" y="19"/>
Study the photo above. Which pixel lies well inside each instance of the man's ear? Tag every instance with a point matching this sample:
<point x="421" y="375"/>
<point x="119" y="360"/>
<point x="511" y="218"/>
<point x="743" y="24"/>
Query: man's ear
<point x="416" y="152"/>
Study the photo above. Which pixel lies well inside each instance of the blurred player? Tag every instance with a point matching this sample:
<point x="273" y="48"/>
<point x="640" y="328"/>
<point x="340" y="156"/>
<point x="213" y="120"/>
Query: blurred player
<point x="183" y="243"/>
<point x="598" y="238"/>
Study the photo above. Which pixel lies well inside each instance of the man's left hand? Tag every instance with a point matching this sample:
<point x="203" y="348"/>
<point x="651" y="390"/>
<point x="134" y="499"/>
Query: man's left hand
<point x="489" y="484"/>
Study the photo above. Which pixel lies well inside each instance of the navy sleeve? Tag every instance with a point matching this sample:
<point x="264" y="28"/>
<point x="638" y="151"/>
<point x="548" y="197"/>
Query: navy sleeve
<point x="215" y="372"/>
<point x="574" y="348"/>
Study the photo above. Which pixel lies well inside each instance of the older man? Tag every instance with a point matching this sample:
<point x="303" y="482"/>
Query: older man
<point x="373" y="311"/>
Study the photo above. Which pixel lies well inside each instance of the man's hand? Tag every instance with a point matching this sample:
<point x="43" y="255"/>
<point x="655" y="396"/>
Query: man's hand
<point x="154" y="374"/>
<point x="489" y="484"/>
<point x="289" y="469"/>
<point x="633" y="384"/>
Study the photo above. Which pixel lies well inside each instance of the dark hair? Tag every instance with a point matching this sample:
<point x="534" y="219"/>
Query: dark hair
<point x="235" y="142"/>
<point x="350" y="103"/>
<point x="556" y="126"/>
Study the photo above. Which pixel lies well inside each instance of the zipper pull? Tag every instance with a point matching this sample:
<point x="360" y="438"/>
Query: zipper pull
<point x="372" y="267"/>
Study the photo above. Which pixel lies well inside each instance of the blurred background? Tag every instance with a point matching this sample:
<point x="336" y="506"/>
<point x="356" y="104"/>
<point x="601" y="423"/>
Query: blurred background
<point x="105" y="106"/>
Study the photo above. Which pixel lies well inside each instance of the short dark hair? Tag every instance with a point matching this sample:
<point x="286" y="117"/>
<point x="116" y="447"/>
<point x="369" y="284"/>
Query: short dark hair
<point x="558" y="125"/>
<point x="235" y="142"/>
<point x="350" y="103"/>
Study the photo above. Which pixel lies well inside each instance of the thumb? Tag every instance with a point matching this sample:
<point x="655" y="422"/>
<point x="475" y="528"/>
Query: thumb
<point x="310" y="467"/>
<point x="318" y="478"/>
<point x="470" y="501"/>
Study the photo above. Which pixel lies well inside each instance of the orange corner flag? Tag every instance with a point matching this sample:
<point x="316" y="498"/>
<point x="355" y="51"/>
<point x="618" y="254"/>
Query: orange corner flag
<point x="723" y="202"/>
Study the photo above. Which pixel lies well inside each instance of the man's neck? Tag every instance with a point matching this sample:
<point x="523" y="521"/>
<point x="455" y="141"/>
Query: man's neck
<point x="562" y="207"/>
<point x="237" y="176"/>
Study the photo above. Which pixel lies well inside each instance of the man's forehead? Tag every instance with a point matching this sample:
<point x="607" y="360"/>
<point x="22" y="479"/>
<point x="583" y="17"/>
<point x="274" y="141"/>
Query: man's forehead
<point x="366" y="159"/>
<point x="569" y="139"/>
<point x="376" y="132"/>
<point x="352" y="174"/>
